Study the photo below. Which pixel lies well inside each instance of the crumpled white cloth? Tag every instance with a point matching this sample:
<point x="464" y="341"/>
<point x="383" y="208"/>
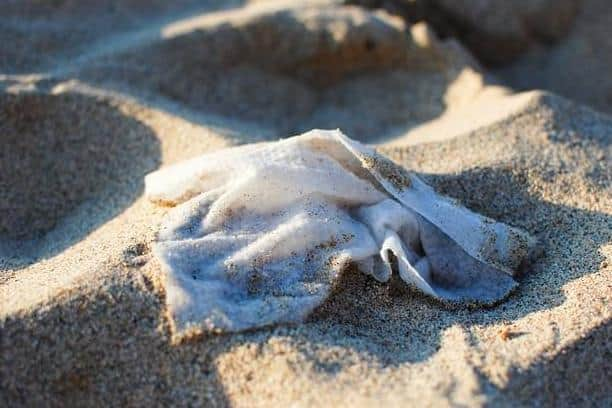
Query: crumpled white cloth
<point x="260" y="232"/>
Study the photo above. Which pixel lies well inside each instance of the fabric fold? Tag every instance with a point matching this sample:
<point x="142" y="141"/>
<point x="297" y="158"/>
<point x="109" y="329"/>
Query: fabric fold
<point x="260" y="233"/>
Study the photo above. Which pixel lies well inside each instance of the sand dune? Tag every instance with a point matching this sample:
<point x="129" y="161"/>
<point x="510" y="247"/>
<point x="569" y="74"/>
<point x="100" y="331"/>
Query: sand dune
<point x="293" y="69"/>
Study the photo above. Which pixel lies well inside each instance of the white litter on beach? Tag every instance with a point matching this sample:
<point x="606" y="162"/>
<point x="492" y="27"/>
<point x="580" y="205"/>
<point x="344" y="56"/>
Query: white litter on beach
<point x="260" y="232"/>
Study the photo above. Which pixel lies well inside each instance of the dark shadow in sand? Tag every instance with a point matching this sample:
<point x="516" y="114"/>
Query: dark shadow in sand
<point x="114" y="352"/>
<point x="61" y="155"/>
<point x="579" y="375"/>
<point x="254" y="104"/>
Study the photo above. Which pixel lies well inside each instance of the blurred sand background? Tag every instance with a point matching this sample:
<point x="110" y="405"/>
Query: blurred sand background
<point x="502" y="105"/>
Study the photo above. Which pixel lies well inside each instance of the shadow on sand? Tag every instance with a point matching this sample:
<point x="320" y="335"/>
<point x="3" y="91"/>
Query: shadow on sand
<point x="579" y="375"/>
<point x="64" y="154"/>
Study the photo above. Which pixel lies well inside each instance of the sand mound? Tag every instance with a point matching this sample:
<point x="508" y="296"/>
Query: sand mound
<point x="290" y="69"/>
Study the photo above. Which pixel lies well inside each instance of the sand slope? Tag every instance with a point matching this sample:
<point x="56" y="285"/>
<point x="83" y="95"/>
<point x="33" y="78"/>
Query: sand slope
<point x="577" y="67"/>
<point x="82" y="319"/>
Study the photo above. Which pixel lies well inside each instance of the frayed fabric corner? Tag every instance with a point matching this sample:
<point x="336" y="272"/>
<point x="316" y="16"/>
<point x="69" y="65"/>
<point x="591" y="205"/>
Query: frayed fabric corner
<point x="259" y="233"/>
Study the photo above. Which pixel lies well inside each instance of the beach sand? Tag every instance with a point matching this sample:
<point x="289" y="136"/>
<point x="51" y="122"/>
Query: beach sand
<point x="576" y="67"/>
<point x="82" y="306"/>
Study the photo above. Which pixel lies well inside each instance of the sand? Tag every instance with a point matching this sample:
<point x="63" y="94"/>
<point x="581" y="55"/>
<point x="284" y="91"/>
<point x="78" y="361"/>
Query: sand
<point x="577" y="67"/>
<point x="82" y="314"/>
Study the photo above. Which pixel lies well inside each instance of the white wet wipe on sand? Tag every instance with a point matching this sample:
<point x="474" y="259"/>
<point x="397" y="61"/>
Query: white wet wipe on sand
<point x="260" y="232"/>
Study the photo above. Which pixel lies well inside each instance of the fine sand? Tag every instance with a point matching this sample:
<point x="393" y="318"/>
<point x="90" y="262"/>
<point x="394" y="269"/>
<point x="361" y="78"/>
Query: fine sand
<point x="86" y="114"/>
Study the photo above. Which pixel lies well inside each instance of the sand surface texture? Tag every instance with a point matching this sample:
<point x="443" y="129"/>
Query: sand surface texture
<point x="95" y="97"/>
